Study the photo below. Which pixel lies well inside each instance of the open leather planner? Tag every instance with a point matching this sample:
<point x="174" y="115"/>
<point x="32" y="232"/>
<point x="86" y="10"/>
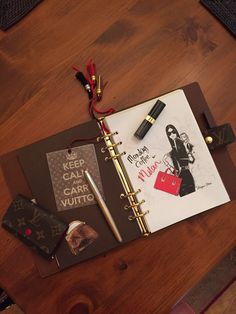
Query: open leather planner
<point x="149" y="184"/>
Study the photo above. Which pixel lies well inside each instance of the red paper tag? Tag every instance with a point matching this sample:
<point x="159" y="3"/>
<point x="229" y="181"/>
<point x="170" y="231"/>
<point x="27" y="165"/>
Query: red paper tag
<point x="168" y="183"/>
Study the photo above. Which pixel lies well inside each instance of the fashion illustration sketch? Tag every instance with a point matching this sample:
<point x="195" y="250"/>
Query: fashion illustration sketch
<point x="179" y="158"/>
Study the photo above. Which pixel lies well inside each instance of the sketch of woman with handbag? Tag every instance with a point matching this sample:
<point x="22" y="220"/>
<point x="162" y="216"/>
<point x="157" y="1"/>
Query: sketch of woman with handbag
<point x="179" y="159"/>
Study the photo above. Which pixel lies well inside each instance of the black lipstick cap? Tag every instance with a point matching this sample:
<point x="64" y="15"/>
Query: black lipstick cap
<point x="149" y="120"/>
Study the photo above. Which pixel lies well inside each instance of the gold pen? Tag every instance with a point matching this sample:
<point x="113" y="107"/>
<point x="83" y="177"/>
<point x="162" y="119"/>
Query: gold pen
<point x="103" y="206"/>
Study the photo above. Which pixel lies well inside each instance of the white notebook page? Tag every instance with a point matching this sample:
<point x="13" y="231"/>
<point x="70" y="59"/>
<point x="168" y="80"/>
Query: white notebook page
<point x="145" y="158"/>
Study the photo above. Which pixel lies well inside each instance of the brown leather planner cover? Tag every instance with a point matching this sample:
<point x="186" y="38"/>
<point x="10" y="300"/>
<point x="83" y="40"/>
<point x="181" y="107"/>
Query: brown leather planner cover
<point x="36" y="175"/>
<point x="38" y="178"/>
<point x="205" y="120"/>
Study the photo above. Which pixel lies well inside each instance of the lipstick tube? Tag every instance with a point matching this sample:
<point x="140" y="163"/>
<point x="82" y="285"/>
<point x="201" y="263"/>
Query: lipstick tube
<point x="149" y="120"/>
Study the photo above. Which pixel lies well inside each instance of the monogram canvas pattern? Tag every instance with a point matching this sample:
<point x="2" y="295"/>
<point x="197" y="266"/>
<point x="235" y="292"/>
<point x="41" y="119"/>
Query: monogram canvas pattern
<point x="70" y="187"/>
<point x="18" y="205"/>
<point x="34" y="226"/>
<point x="40" y="235"/>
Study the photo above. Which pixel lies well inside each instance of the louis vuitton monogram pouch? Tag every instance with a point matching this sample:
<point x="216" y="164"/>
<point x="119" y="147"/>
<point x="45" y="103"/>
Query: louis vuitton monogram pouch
<point x="40" y="230"/>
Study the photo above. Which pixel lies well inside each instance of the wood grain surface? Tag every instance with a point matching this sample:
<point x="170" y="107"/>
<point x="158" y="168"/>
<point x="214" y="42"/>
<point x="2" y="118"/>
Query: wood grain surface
<point x="226" y="303"/>
<point x="143" y="49"/>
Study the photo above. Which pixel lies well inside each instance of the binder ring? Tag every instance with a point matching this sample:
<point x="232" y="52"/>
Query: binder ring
<point x="103" y="149"/>
<point x="126" y="207"/>
<point x="106" y="135"/>
<point x="122" y="195"/>
<point x="115" y="156"/>
<point x="138" y="215"/>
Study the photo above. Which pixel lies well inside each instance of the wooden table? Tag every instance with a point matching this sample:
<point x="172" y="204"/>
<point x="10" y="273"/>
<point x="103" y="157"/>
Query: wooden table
<point x="142" y="48"/>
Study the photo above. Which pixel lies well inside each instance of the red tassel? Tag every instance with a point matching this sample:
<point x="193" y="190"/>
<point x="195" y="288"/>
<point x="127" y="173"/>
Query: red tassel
<point x="105" y="128"/>
<point x="91" y="71"/>
<point x="75" y="68"/>
<point x="91" y="78"/>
